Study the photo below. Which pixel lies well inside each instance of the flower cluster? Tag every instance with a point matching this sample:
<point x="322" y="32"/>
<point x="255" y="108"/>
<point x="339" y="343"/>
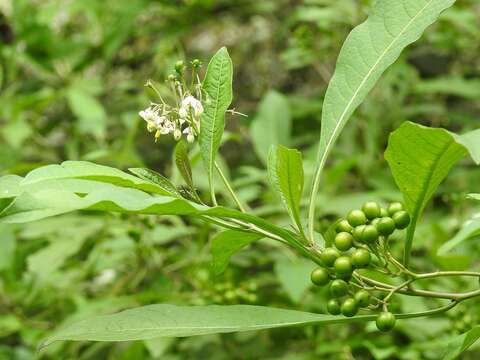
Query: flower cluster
<point x="183" y="118"/>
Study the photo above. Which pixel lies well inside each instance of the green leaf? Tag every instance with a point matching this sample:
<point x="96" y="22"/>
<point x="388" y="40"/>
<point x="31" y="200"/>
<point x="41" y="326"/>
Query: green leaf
<point x="272" y="124"/>
<point x="469" y="230"/>
<point x="367" y="52"/>
<point x="164" y="320"/>
<point x="285" y="172"/>
<point x="461" y="343"/>
<point x="89" y="111"/>
<point x="227" y="243"/>
<point x="218" y="87"/>
<point x="471" y="141"/>
<point x="420" y="158"/>
<point x="156" y="178"/>
<point x="294" y="276"/>
<point x="89" y="171"/>
<point x="183" y="163"/>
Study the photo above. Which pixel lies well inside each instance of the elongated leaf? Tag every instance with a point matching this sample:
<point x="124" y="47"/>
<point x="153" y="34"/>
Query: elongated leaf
<point x="367" y="52"/>
<point x="227" y="243"/>
<point x="272" y="124"/>
<point x="471" y="229"/>
<point x="285" y="172"/>
<point x="162" y="320"/>
<point x="420" y="158"/>
<point x="218" y="87"/>
<point x="156" y="178"/>
<point x="183" y="163"/>
<point x="89" y="171"/>
<point x="461" y="343"/>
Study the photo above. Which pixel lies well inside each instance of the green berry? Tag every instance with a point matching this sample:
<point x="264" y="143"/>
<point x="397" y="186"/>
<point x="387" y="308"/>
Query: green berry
<point x="361" y="258"/>
<point x="401" y="219"/>
<point x="343" y="226"/>
<point x="371" y="210"/>
<point x="383" y="212"/>
<point x="366" y="233"/>
<point x="349" y="307"/>
<point x="329" y="255"/>
<point x="338" y="288"/>
<point x="196" y="63"/>
<point x="333" y="307"/>
<point x="394" y="207"/>
<point x="343" y="266"/>
<point x="320" y="276"/>
<point x="385" y="321"/>
<point x="362" y="297"/>
<point x="386" y="226"/>
<point x="375" y="222"/>
<point x="343" y="241"/>
<point x="356" y="217"/>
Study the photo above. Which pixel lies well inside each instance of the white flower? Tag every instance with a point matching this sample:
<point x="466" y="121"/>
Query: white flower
<point x="182" y="112"/>
<point x="190" y="138"/>
<point x="149" y="115"/>
<point x="196" y="105"/>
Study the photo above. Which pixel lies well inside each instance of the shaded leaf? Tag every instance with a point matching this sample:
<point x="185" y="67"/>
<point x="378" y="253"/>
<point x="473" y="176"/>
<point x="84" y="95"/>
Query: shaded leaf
<point x="272" y="124"/>
<point x="156" y="178"/>
<point x="469" y="230"/>
<point x="285" y="172"/>
<point x="461" y="343"/>
<point x="183" y="163"/>
<point x="227" y="243"/>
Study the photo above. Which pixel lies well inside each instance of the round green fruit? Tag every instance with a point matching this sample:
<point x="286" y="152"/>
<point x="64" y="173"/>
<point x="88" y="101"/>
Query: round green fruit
<point x="333" y="307"/>
<point x="343" y="241"/>
<point x="386" y="226"/>
<point x="329" y="255"/>
<point x="343" y="266"/>
<point x="349" y="307"/>
<point x="356" y="217"/>
<point x="371" y="210"/>
<point x="338" y="288"/>
<point x="358" y="231"/>
<point x="383" y="212"/>
<point x="343" y="226"/>
<point x="394" y="207"/>
<point x="362" y="297"/>
<point x="369" y="234"/>
<point x="320" y="276"/>
<point x="361" y="258"/>
<point x="385" y="321"/>
<point x="401" y="219"/>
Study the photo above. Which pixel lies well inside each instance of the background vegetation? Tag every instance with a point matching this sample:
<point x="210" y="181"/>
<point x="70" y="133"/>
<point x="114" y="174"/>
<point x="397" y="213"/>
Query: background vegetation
<point x="71" y="84"/>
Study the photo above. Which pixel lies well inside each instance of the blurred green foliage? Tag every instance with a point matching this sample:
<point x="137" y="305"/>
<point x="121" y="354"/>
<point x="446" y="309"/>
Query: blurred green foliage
<point x="71" y="84"/>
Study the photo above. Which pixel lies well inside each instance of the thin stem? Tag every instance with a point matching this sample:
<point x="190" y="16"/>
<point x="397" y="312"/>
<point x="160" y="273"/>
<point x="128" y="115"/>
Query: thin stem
<point x="229" y="187"/>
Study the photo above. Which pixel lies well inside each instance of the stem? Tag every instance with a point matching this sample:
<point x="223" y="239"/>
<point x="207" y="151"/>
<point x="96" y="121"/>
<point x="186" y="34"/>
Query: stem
<point x="229" y="187"/>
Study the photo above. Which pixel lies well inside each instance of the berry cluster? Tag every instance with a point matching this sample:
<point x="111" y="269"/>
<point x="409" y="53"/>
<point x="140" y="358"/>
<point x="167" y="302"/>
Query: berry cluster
<point x="356" y="246"/>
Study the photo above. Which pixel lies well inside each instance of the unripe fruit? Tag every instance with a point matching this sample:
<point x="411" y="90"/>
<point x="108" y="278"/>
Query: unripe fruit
<point x="361" y="258"/>
<point x="386" y="226"/>
<point x="375" y="222"/>
<point x="366" y="233"/>
<point x="371" y="210"/>
<point x="383" y="212"/>
<point x="385" y="321"/>
<point x="394" y="207"/>
<point x="329" y="255"/>
<point x="333" y="307"/>
<point x="349" y="307"/>
<point x="343" y="266"/>
<point x="320" y="276"/>
<point x="343" y="226"/>
<point x="343" y="241"/>
<point x="338" y="288"/>
<point x="356" y="217"/>
<point x="401" y="219"/>
<point x="179" y="66"/>
<point x="362" y="297"/>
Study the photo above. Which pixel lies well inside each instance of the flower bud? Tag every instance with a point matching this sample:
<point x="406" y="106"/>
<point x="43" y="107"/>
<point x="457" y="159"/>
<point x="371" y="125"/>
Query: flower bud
<point x="190" y="138"/>
<point x="177" y="134"/>
<point x="179" y="67"/>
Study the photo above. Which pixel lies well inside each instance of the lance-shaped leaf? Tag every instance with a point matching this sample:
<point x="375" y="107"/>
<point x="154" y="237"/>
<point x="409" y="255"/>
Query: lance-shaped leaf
<point x="285" y="172"/>
<point x="420" y="158"/>
<point x="367" y="52"/>
<point x="227" y="243"/>
<point x="183" y="163"/>
<point x="461" y="343"/>
<point x="156" y="178"/>
<point x="218" y="88"/>
<point x="89" y="171"/>
<point x="164" y="320"/>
